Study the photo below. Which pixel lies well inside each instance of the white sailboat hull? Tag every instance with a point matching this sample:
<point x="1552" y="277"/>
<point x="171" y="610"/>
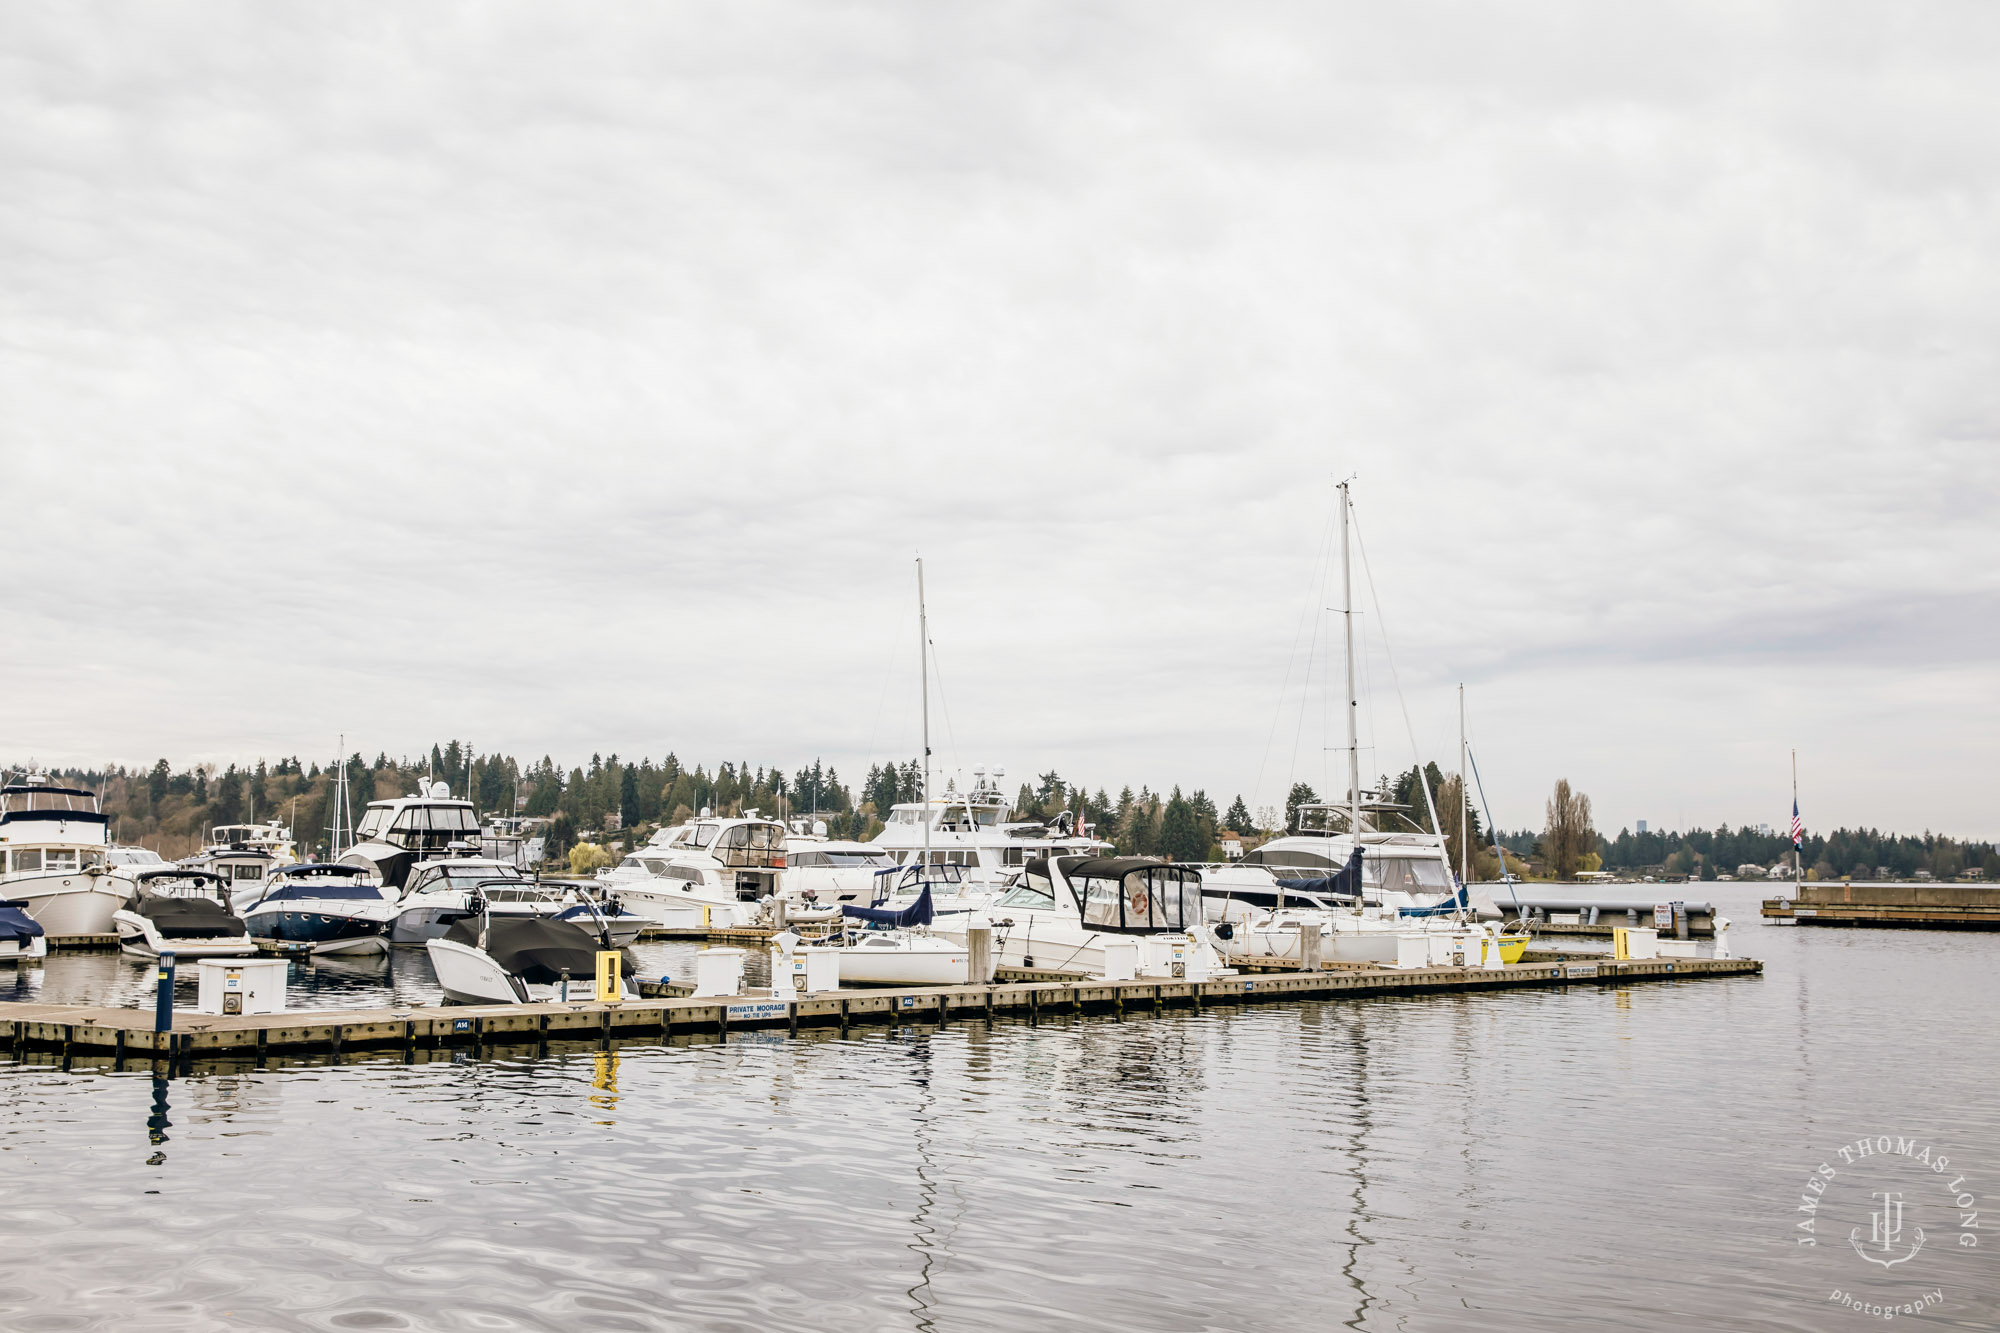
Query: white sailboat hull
<point x="917" y="960"/>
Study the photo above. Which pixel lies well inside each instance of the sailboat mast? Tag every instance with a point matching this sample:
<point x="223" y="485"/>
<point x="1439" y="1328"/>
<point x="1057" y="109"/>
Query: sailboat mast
<point x="1464" y="797"/>
<point x="924" y="675"/>
<point x="1347" y="623"/>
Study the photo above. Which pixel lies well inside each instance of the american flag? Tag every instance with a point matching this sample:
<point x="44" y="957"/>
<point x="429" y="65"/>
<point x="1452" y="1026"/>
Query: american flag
<point x="1798" y="829"/>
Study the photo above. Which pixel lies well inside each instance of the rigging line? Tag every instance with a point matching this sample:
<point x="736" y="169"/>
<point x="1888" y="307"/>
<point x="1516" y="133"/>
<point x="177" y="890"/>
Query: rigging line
<point x="1423" y="779"/>
<point x="1278" y="710"/>
<point x="937" y="669"/>
<point x="1298" y="732"/>
<point x="1493" y="830"/>
<point x="889" y="655"/>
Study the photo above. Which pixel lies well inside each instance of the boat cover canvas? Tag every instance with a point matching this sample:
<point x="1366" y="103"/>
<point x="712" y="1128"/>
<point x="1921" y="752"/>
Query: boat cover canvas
<point x="321" y="889"/>
<point x="919" y="913"/>
<point x="190" y="918"/>
<point x="536" y="949"/>
<point x="1342" y="883"/>
<point x="17" y="925"/>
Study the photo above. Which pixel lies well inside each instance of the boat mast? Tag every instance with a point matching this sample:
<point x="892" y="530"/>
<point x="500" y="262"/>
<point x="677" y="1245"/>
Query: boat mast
<point x="1464" y="796"/>
<point x="924" y="676"/>
<point x="1347" y="623"/>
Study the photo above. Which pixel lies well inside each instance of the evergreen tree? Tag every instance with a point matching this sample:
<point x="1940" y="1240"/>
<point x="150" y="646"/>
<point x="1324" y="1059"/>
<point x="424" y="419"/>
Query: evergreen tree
<point x="156" y="783"/>
<point x="628" y="797"/>
<point x="1181" y="837"/>
<point x="1300" y="794"/>
<point x="1238" y="818"/>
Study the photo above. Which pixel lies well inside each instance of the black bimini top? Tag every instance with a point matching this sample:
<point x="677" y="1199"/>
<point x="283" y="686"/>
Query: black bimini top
<point x="190" y="918"/>
<point x="535" y="949"/>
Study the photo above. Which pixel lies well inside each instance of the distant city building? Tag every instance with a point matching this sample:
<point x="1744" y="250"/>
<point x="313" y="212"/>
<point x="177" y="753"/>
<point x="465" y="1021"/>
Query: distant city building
<point x="1763" y="830"/>
<point x="1642" y="826"/>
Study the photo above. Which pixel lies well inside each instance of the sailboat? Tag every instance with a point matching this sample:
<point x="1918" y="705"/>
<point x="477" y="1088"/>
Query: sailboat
<point x="1343" y="870"/>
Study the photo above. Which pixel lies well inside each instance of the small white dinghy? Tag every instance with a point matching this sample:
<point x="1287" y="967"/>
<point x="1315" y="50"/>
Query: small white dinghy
<point x="21" y="935"/>
<point x="886" y="947"/>
<point x="488" y="959"/>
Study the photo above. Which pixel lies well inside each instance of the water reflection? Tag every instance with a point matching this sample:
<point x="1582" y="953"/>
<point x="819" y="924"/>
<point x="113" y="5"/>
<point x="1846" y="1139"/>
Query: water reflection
<point x="157" y="1122"/>
<point x="1499" y="1160"/>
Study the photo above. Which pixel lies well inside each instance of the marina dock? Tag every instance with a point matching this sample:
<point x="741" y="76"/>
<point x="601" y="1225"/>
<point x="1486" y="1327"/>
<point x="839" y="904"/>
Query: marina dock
<point x="1874" y="903"/>
<point x="127" y="1034"/>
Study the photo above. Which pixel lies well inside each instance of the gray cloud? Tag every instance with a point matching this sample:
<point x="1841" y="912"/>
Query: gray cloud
<point x="586" y="379"/>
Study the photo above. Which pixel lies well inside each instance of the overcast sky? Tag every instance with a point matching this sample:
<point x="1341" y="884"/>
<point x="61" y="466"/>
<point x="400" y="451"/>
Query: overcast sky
<point x="587" y="377"/>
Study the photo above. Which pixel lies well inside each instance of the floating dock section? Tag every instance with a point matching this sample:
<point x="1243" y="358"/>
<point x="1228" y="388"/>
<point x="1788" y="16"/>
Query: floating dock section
<point x="128" y="1034"/>
<point x="1927" y="906"/>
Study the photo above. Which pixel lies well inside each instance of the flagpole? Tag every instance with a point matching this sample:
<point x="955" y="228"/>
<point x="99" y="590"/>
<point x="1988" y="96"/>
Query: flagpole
<point x="1799" y="833"/>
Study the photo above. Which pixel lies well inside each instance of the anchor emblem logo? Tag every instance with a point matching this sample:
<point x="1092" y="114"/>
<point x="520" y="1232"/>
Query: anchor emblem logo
<point x="1885" y="1229"/>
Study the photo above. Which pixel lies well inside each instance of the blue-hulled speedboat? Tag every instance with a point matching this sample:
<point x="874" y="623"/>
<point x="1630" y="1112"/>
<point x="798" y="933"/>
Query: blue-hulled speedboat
<point x="330" y="908"/>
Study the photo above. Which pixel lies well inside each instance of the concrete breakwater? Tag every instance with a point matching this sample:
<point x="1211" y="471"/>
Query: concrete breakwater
<point x="1875" y="903"/>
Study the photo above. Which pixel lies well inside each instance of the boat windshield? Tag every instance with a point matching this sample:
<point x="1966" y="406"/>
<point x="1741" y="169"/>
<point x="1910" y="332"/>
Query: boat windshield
<point x="62" y="800"/>
<point x="1034" y="891"/>
<point x="877" y="859"/>
<point x="747" y="845"/>
<point x="1418" y="874"/>
<point x="373" y="822"/>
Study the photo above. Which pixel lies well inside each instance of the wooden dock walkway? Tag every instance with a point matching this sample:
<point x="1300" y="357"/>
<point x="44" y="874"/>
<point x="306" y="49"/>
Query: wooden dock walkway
<point x="127" y="1034"/>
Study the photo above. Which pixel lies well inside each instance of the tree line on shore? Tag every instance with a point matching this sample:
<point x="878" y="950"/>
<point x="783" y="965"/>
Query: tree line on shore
<point x="612" y="799"/>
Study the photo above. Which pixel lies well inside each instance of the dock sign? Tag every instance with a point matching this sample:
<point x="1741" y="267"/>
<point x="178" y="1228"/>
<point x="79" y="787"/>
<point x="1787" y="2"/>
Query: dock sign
<point x="757" y="1009"/>
<point x="1580" y="970"/>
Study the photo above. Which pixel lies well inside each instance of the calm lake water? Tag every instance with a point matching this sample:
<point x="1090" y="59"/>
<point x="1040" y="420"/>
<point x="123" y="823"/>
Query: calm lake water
<point x="1586" y="1159"/>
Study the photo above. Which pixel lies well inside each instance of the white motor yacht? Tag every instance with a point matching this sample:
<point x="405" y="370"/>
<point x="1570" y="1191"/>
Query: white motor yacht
<point x="1065" y="911"/>
<point x="394" y="835"/>
<point x="972" y="830"/>
<point x="443" y="890"/>
<point x="823" y="873"/>
<point x="727" y="866"/>
<point x="54" y="841"/>
<point x="186" y="912"/>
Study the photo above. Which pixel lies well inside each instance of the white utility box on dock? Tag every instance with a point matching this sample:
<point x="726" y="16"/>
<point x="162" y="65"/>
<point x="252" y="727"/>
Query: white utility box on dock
<point x="1635" y="942"/>
<point x="240" y="985"/>
<point x="815" y="969"/>
<point x="1121" y="959"/>
<point x="719" y="971"/>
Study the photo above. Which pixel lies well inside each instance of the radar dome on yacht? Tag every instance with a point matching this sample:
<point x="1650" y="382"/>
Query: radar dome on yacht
<point x="440" y="791"/>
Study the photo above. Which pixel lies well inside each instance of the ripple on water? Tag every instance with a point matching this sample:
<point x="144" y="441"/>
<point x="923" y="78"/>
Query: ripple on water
<point x="1563" y="1160"/>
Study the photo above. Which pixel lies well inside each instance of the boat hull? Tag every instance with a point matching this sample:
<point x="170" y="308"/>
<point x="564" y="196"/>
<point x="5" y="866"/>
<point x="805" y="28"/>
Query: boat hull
<point x="471" y="976"/>
<point x="906" y="963"/>
<point x="322" y="931"/>
<point x="138" y="935"/>
<point x="417" y="925"/>
<point x="12" y="951"/>
<point x="73" y="904"/>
